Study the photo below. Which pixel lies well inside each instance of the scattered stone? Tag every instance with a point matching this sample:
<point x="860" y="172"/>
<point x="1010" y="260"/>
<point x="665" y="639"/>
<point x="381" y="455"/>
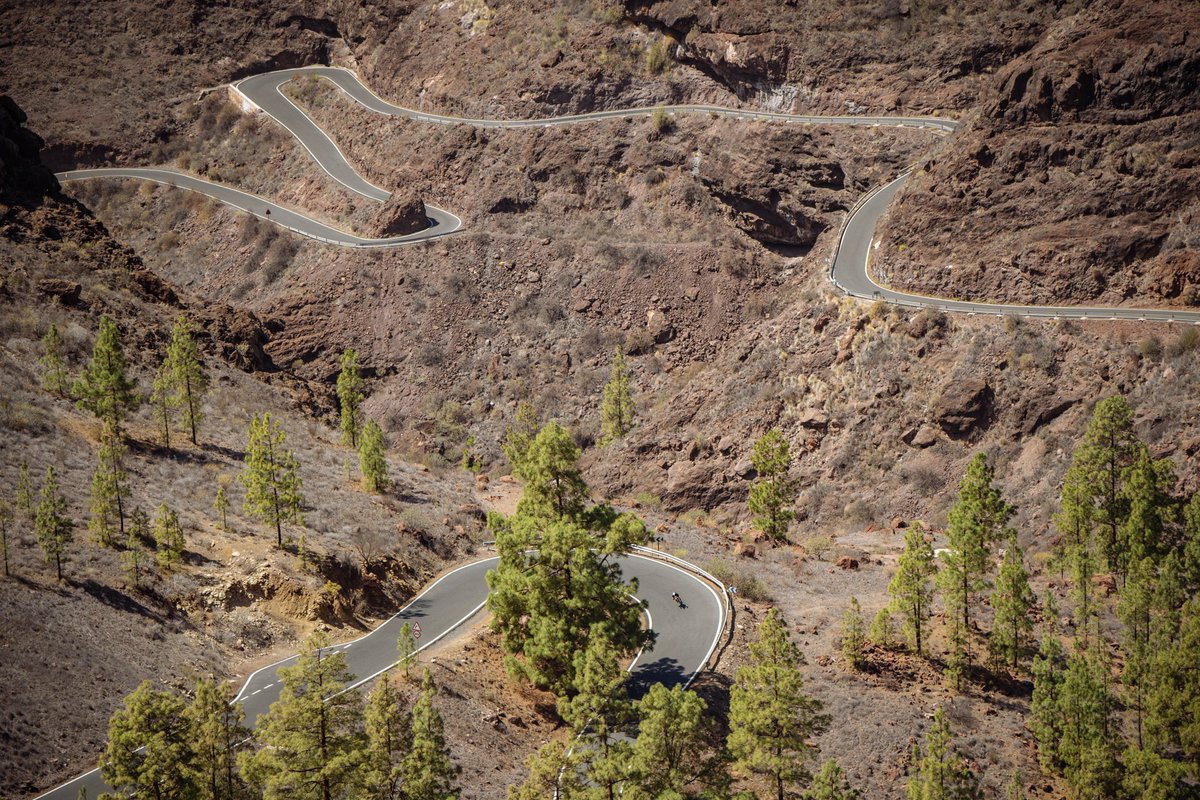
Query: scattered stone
<point x="921" y="437"/>
<point x="745" y="550"/>
<point x="847" y="563"/>
<point x="815" y="419"/>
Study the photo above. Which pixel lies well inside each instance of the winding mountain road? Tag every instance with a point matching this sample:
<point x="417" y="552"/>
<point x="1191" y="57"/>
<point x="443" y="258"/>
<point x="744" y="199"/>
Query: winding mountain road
<point x="686" y="637"/>
<point x="849" y="269"/>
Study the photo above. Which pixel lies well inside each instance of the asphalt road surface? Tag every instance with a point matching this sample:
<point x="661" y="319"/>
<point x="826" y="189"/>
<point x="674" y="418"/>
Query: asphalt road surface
<point x="849" y="271"/>
<point x="686" y="637"/>
<point x="441" y="223"/>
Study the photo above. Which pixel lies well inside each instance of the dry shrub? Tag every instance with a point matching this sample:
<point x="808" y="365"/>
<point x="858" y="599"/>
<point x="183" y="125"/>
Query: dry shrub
<point x="743" y="578"/>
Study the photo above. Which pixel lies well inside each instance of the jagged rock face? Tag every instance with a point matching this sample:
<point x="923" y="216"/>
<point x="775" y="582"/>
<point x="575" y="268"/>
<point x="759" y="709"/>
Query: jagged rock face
<point x="1079" y="177"/>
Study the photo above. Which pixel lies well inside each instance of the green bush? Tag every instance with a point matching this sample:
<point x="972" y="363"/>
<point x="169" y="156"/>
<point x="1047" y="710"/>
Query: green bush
<point x="658" y="56"/>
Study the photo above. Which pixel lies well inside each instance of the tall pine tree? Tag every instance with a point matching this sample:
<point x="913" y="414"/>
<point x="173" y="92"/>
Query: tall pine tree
<point x="350" y="397"/>
<point x="1012" y="601"/>
<point x="977" y="520"/>
<point x="188" y="377"/>
<point x="149" y="752"/>
<point x="938" y="772"/>
<point x="56" y="378"/>
<point x="671" y="755"/>
<point x="616" y="409"/>
<point x="313" y="745"/>
<point x="772" y="492"/>
<point x="53" y="529"/>
<point x="910" y="589"/>
<point x="771" y="719"/>
<point x="372" y="458"/>
<point x="389" y="738"/>
<point x="216" y="727"/>
<point x="427" y="771"/>
<point x="105" y="388"/>
<point x="271" y="476"/>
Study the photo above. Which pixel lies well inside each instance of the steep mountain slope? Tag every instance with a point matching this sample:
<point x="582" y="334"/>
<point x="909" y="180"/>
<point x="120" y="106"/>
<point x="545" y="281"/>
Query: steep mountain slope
<point x="73" y="650"/>
<point x="1077" y="179"/>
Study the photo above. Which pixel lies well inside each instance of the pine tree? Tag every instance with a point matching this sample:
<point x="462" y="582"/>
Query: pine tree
<point x="56" y="379"/>
<point x="771" y="719"/>
<point x="221" y="505"/>
<point x="132" y="559"/>
<point x="977" y="519"/>
<point x="518" y="438"/>
<point x="1150" y="510"/>
<point x="168" y="536"/>
<point x="1134" y="609"/>
<point x="1173" y="705"/>
<point x="1074" y="521"/>
<point x="598" y="709"/>
<point x="163" y="401"/>
<point x="426" y="771"/>
<point x="104" y="388"/>
<point x="671" y="751"/>
<point x="1152" y="776"/>
<point x="372" y="458"/>
<point x="1108" y="449"/>
<point x="882" y="632"/>
<point x="188" y="377"/>
<point x="109" y="490"/>
<point x="772" y="491"/>
<point x="1089" y="748"/>
<point x="854" y="636"/>
<point x="551" y="772"/>
<point x="616" y="410"/>
<point x="938" y="772"/>
<point x="1045" y="718"/>
<point x="312" y="745"/>
<point x="554" y="487"/>
<point x="556" y="587"/>
<point x="270" y="477"/>
<point x="1012" y="601"/>
<point x="53" y="529"/>
<point x="910" y="590"/>
<point x="1015" y="789"/>
<point x="291" y="490"/>
<point x="406" y="648"/>
<point x="112" y="459"/>
<point x="389" y="737"/>
<point x="830" y="783"/>
<point x="350" y="397"/>
<point x="1191" y="543"/>
<point x="149" y="752"/>
<point x="216" y="728"/>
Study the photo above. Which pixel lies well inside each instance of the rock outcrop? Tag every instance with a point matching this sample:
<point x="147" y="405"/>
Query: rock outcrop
<point x="401" y="214"/>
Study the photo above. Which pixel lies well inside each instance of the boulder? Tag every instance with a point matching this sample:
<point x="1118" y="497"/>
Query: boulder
<point x="659" y="327"/>
<point x="403" y="213"/>
<point x="65" y="291"/>
<point x="814" y="419"/>
<point x="848" y="563"/>
<point x="921" y="437"/>
<point x="745" y="550"/>
<point x="963" y="407"/>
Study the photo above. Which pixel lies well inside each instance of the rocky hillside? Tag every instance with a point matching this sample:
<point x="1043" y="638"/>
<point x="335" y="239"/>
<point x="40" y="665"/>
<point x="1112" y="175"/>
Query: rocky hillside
<point x="235" y="599"/>
<point x="1076" y="179"/>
